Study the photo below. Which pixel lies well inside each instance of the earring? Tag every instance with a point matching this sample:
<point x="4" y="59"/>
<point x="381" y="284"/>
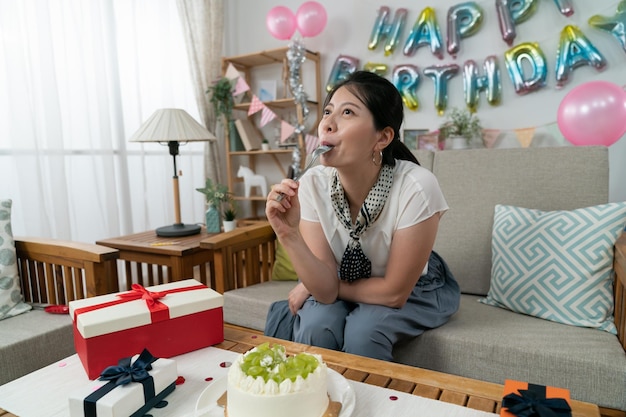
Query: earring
<point x="380" y="162"/>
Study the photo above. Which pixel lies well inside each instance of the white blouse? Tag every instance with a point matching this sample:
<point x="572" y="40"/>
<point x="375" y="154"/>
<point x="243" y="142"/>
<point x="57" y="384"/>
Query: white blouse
<point x="414" y="197"/>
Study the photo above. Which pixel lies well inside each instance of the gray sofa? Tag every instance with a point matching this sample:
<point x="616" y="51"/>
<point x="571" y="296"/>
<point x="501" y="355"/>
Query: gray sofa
<point x="480" y="341"/>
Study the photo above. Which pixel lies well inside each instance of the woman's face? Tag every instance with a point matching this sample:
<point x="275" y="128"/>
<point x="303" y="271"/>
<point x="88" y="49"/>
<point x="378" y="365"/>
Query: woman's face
<point x="348" y="126"/>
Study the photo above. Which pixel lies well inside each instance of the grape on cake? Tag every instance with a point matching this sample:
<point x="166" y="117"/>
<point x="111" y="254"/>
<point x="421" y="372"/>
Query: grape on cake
<point x="265" y="382"/>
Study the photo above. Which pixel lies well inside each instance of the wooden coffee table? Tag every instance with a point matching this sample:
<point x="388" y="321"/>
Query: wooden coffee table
<point x="466" y="392"/>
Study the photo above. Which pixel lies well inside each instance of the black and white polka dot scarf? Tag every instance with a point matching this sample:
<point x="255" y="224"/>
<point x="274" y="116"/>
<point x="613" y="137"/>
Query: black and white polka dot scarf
<point x="354" y="263"/>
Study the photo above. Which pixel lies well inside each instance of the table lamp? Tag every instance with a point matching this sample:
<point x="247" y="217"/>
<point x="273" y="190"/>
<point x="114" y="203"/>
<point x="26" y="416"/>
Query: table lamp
<point x="173" y="126"/>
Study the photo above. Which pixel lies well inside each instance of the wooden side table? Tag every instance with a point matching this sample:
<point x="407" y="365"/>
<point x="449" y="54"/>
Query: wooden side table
<point x="151" y="260"/>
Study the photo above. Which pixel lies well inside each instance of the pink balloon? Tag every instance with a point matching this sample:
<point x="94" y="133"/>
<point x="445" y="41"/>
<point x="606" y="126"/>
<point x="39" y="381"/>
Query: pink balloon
<point x="281" y="22"/>
<point x="311" y="18"/>
<point x="593" y="113"/>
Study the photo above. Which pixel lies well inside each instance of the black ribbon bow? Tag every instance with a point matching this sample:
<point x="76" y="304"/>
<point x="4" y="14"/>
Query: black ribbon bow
<point x="125" y="373"/>
<point x="533" y="403"/>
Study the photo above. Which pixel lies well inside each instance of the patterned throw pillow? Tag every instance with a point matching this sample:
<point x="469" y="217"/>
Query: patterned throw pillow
<point x="10" y="295"/>
<point x="556" y="265"/>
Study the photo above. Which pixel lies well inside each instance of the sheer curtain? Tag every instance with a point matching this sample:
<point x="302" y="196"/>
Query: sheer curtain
<point x="78" y="78"/>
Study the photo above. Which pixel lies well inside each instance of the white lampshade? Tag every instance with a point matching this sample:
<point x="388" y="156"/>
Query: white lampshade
<point x="171" y="125"/>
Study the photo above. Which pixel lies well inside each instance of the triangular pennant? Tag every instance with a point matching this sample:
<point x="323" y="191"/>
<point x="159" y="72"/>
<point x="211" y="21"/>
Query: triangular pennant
<point x="266" y="116"/>
<point x="286" y="130"/>
<point x="255" y="105"/>
<point x="525" y="136"/>
<point x="311" y="142"/>
<point x="231" y="72"/>
<point x="241" y="86"/>
<point x="490" y="136"/>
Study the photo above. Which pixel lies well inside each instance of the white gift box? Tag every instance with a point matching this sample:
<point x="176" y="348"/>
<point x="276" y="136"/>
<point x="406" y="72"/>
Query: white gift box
<point x="125" y="400"/>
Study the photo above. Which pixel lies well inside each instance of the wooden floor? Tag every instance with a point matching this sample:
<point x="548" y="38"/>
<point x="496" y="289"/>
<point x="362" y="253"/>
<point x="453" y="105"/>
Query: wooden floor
<point x="479" y="395"/>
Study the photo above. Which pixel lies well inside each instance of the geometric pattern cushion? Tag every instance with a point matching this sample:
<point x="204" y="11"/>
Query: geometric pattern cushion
<point x="556" y="265"/>
<point x="10" y="295"/>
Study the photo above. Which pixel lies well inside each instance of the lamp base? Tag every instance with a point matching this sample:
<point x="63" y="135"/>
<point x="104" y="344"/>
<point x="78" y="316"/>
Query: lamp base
<point x="178" y="229"/>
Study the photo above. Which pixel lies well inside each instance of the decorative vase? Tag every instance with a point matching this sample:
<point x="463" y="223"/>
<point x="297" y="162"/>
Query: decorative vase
<point x="212" y="220"/>
<point x="456" y="142"/>
<point x="229" y="225"/>
<point x="265" y="146"/>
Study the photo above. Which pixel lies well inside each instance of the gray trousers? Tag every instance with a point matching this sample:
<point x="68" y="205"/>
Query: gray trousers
<point x="368" y="329"/>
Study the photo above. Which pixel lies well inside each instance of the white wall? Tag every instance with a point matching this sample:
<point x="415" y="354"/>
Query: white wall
<point x="350" y="23"/>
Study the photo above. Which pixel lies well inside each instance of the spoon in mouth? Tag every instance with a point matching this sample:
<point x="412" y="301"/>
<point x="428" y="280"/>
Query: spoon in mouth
<point x="316" y="153"/>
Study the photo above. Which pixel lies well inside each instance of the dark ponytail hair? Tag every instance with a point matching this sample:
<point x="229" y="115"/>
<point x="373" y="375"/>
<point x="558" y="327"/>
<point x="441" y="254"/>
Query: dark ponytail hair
<point x="383" y="100"/>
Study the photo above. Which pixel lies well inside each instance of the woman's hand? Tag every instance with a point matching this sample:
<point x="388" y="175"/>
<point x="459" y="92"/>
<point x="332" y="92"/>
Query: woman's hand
<point x="284" y="215"/>
<point x="297" y="297"/>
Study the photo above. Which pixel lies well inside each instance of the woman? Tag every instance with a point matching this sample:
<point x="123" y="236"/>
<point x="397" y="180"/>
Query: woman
<point x="360" y="229"/>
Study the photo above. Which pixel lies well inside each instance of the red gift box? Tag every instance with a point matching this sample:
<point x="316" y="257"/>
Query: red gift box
<point x="168" y="320"/>
<point x="539" y="393"/>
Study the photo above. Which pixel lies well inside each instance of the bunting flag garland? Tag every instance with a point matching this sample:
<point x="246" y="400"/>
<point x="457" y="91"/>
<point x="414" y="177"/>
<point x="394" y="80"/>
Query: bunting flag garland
<point x="231" y="72"/>
<point x="267" y="116"/>
<point x="241" y="86"/>
<point x="525" y="136"/>
<point x="490" y="136"/>
<point x="255" y="105"/>
<point x="311" y="142"/>
<point x="286" y="130"/>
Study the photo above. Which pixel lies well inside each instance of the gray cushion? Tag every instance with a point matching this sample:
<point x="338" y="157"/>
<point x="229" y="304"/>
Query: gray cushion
<point x="475" y="180"/>
<point x="33" y="340"/>
<point x="248" y="306"/>
<point x="492" y="344"/>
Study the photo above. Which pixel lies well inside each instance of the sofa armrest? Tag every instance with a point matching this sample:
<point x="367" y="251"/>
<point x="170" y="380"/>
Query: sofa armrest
<point x="56" y="271"/>
<point x="619" y="289"/>
<point x="242" y="257"/>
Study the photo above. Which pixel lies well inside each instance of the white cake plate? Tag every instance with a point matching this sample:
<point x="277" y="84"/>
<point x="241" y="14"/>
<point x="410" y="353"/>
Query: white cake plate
<point x="339" y="390"/>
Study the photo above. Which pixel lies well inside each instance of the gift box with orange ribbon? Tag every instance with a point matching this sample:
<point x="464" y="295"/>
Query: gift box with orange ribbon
<point x="522" y="399"/>
<point x="168" y="320"/>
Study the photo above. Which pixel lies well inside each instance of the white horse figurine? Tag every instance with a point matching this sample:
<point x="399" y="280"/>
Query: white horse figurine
<point x="250" y="179"/>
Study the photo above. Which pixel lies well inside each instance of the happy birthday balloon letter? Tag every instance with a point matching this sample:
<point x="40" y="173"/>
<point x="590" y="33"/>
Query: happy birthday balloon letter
<point x="565" y="7"/>
<point x="593" y="113"/>
<point x="464" y="20"/>
<point x="344" y="65"/>
<point x="281" y="22"/>
<point x="406" y="78"/>
<point x="425" y="32"/>
<point x="474" y="84"/>
<point x="440" y="75"/>
<point x="514" y="59"/>
<point x="512" y="12"/>
<point x="389" y="32"/>
<point x="615" y="25"/>
<point x="574" y="51"/>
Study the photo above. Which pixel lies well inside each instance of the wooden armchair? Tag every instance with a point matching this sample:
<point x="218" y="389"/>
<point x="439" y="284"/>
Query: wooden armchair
<point x="619" y="289"/>
<point x="242" y="257"/>
<point x="57" y="272"/>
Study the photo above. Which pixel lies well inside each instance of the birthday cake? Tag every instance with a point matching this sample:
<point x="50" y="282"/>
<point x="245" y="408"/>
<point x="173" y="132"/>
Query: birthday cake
<point x="265" y="382"/>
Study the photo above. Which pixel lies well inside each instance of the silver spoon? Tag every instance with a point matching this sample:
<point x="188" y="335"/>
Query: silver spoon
<point x="316" y="153"/>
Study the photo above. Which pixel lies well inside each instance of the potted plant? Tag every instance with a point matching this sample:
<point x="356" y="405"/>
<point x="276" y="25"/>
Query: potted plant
<point x="460" y="129"/>
<point x="221" y="97"/>
<point x="229" y="216"/>
<point x="215" y="195"/>
<point x="265" y="145"/>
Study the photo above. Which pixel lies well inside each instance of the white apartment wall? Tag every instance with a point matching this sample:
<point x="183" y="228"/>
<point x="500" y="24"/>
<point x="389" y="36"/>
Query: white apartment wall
<point x="351" y="21"/>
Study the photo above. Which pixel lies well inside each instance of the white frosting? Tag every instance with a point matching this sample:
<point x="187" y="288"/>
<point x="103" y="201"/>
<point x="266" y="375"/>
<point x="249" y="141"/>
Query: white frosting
<point x="253" y="397"/>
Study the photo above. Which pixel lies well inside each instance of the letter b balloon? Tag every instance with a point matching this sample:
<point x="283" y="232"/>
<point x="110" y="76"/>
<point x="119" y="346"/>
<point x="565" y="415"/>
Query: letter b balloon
<point x="593" y="113"/>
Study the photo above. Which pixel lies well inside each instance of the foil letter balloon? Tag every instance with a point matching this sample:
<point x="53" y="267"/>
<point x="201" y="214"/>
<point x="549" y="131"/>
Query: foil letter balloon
<point x="464" y="20"/>
<point x="531" y="53"/>
<point x="376" y="67"/>
<point x="565" y="7"/>
<point x="390" y="32"/>
<point x="406" y="78"/>
<point x="615" y="25"/>
<point x="574" y="51"/>
<point x="425" y="31"/>
<point x="440" y="75"/>
<point x="512" y="12"/>
<point x="344" y="65"/>
<point x="474" y="84"/>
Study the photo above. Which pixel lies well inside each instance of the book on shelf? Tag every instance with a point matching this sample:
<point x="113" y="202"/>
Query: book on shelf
<point x="249" y="134"/>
